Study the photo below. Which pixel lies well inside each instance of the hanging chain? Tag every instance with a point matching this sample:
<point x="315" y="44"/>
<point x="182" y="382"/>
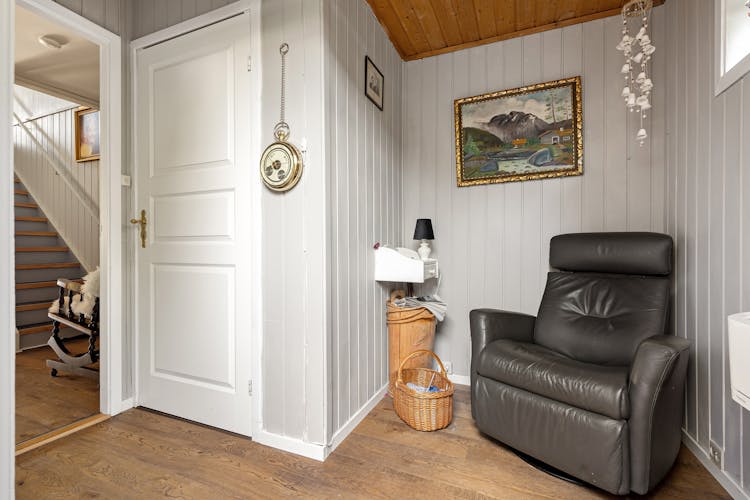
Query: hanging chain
<point x="281" y="130"/>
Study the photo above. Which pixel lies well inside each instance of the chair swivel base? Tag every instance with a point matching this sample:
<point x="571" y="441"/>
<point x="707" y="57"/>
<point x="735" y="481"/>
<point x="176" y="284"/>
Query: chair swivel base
<point x="548" y="469"/>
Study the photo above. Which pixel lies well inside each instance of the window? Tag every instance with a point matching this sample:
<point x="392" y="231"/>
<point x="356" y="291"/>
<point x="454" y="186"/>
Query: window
<point x="732" y="47"/>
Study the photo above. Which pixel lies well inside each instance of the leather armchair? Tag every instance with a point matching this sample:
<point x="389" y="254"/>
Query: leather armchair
<point x="592" y="385"/>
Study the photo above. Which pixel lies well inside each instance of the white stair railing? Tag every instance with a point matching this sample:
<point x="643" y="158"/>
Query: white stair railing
<point x="59" y="168"/>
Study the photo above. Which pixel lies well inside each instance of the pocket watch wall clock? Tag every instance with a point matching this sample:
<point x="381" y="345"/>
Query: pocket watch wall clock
<point x="281" y="163"/>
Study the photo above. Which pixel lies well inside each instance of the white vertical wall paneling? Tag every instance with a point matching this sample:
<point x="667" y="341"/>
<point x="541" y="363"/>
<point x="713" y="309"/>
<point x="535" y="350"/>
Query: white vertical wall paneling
<point x="571" y="197"/>
<point x="533" y="202"/>
<point x="105" y="13"/>
<point x="704" y="94"/>
<point x="154" y="15"/>
<point x="493" y="241"/>
<point x="76" y="225"/>
<point x="732" y="126"/>
<point x="513" y="209"/>
<point x="616" y="125"/>
<point x="476" y="201"/>
<point x="551" y="209"/>
<point x="495" y="195"/>
<point x="689" y="246"/>
<point x="594" y="126"/>
<point x="294" y="244"/>
<point x="708" y="167"/>
<point x="365" y="169"/>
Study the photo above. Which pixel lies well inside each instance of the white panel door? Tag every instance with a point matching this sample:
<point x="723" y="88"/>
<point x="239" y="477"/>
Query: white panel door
<point x="193" y="180"/>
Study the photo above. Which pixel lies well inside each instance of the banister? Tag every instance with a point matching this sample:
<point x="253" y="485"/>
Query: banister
<point x="60" y="170"/>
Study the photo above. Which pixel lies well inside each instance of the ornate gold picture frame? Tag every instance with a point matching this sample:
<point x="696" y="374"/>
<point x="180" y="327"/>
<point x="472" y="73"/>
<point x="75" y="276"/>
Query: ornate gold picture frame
<point x="526" y="133"/>
<point x="86" y="134"/>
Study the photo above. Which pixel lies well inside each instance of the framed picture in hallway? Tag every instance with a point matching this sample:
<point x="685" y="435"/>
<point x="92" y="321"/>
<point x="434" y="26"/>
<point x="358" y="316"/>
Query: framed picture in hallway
<point x="87" y="134"/>
<point x="374" y="83"/>
<point x="526" y="133"/>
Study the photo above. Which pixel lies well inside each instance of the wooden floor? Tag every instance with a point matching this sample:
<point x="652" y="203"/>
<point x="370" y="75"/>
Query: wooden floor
<point x="142" y="454"/>
<point x="45" y="403"/>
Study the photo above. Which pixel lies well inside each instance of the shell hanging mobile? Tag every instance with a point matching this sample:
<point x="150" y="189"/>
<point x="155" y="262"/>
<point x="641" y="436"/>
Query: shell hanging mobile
<point x="638" y="50"/>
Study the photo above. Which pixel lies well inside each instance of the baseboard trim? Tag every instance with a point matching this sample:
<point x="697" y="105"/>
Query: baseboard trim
<point x="292" y="445"/>
<point x="125" y="404"/>
<point x="56" y="434"/>
<point x="724" y="480"/>
<point x="460" y="379"/>
<point x="340" y="435"/>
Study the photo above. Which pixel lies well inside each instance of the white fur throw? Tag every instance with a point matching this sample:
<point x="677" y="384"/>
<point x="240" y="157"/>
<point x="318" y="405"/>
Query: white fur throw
<point x="85" y="306"/>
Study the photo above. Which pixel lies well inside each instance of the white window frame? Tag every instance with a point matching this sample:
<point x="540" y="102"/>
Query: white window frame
<point x="723" y="78"/>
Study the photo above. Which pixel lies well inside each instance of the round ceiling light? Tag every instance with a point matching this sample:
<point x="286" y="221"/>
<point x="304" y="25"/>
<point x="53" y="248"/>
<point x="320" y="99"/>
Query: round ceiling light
<point x="52" y="41"/>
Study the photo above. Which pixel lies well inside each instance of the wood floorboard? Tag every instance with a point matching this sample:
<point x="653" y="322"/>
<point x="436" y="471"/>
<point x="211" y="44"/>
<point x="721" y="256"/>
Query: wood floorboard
<point x="144" y="454"/>
<point x="45" y="403"/>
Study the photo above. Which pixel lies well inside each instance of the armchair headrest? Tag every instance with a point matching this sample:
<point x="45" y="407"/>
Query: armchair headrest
<point x="618" y="253"/>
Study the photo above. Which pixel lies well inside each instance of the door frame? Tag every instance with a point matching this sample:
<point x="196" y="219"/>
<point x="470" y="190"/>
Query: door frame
<point x="110" y="209"/>
<point x="256" y="307"/>
<point x="110" y="196"/>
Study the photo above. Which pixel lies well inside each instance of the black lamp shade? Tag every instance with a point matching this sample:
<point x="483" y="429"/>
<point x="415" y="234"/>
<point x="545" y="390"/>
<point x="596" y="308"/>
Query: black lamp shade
<point x="423" y="230"/>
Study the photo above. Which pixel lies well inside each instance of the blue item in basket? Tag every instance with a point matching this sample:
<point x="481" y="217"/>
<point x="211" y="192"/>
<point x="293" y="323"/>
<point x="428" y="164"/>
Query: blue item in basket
<point x="419" y="388"/>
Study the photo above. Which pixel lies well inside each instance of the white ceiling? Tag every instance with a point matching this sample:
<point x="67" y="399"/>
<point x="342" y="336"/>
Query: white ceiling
<point x="71" y="72"/>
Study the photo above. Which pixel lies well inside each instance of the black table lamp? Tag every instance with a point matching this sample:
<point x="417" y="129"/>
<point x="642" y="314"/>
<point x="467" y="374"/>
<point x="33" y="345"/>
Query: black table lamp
<point x="423" y="231"/>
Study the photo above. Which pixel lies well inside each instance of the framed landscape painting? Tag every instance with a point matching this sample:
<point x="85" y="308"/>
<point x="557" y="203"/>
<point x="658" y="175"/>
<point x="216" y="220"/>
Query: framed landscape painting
<point x="531" y="132"/>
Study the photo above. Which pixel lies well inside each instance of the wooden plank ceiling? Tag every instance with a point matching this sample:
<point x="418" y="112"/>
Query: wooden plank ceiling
<point x="423" y="28"/>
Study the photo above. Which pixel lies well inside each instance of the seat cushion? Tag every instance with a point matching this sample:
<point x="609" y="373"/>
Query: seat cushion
<point x="601" y="318"/>
<point x="536" y="369"/>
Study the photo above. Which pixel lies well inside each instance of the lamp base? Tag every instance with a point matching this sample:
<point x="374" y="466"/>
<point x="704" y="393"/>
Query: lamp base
<point x="424" y="250"/>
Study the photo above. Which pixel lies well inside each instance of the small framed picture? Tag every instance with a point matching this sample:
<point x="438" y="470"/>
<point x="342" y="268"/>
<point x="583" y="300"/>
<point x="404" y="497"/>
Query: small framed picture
<point x="374" y="83"/>
<point x="87" y="134"/>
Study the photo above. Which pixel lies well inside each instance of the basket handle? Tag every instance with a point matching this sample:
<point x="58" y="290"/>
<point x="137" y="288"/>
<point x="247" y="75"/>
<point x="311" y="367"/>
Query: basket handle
<point x="419" y="353"/>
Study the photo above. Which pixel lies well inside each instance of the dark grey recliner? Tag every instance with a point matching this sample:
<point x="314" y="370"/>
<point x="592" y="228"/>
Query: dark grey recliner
<point x="592" y="386"/>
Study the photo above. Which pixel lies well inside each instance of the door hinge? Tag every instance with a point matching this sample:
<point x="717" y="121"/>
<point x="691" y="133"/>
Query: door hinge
<point x="250" y="387"/>
<point x="249" y="63"/>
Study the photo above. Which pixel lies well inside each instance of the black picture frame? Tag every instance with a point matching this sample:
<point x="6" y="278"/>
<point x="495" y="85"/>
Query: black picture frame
<point x="374" y="83"/>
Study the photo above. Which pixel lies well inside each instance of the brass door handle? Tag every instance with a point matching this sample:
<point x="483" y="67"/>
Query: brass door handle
<point x="142" y="221"/>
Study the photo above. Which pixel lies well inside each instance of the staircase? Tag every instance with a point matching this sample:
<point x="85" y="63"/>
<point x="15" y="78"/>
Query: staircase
<point x="41" y="258"/>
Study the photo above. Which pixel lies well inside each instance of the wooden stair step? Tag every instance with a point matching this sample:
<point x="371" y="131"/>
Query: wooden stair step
<point x="33" y="306"/>
<point x="41" y="249"/>
<point x="25" y="204"/>
<point x="31" y="219"/>
<point x="20" y="192"/>
<point x="40" y="284"/>
<point x="46" y="327"/>
<point x="54" y="265"/>
<point x="36" y="233"/>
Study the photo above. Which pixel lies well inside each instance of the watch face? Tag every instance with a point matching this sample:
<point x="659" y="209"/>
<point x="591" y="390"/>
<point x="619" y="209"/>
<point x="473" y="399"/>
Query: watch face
<point x="280" y="166"/>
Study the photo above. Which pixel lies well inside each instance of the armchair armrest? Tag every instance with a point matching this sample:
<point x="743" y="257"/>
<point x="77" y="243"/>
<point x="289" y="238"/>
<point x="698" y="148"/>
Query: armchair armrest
<point x="657" y="382"/>
<point x="488" y="325"/>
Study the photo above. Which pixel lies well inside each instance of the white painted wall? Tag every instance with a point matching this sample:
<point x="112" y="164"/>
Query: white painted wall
<point x="154" y="15"/>
<point x="364" y="155"/>
<point x="708" y="208"/>
<point x="295" y="280"/>
<point x="76" y="225"/>
<point x="492" y="241"/>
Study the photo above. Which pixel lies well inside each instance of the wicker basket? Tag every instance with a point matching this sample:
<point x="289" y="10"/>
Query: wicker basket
<point x="423" y="411"/>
